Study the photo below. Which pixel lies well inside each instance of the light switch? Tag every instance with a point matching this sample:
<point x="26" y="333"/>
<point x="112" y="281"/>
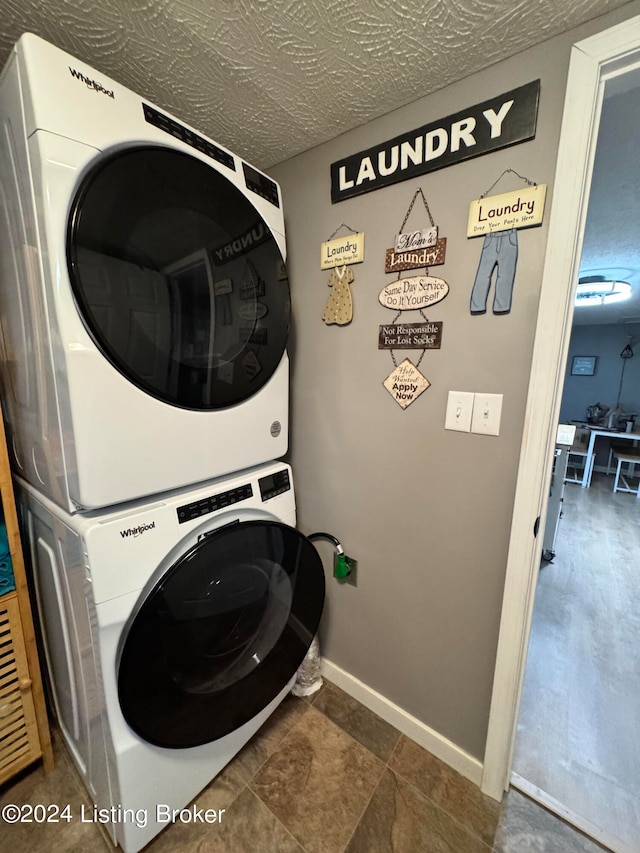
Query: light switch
<point x="487" y="410"/>
<point x="459" y="409"/>
<point x="566" y="433"/>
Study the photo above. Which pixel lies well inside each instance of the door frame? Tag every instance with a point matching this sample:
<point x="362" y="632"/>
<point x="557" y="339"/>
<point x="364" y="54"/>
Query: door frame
<point x="593" y="61"/>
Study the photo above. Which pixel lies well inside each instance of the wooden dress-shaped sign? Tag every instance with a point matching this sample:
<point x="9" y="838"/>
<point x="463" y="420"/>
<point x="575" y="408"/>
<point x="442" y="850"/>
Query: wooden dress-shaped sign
<point x="339" y="307"/>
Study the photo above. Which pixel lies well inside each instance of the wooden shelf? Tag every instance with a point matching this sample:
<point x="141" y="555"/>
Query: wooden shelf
<point x="24" y="727"/>
<point x="19" y="740"/>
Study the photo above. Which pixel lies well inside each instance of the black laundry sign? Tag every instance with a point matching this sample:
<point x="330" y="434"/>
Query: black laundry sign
<point x="497" y="123"/>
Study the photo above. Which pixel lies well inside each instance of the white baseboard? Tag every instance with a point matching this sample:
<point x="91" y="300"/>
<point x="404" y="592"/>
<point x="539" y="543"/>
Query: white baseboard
<point x="436" y="744"/>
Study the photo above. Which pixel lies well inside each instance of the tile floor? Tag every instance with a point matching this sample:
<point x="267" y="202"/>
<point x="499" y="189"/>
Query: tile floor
<point x="324" y="775"/>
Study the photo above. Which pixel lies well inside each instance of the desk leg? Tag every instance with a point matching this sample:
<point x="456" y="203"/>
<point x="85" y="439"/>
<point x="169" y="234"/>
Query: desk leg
<point x="588" y="463"/>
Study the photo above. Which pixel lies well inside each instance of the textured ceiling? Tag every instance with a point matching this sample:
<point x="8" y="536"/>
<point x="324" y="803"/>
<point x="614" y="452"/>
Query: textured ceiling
<point x="610" y="245"/>
<point x="272" y="78"/>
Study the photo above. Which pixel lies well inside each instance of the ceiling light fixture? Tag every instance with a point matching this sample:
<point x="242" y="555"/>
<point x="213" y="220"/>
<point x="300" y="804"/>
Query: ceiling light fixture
<point x="596" y="290"/>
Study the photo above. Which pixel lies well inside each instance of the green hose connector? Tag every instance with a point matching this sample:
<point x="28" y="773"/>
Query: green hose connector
<point x="344" y="568"/>
<point x="340" y="567"/>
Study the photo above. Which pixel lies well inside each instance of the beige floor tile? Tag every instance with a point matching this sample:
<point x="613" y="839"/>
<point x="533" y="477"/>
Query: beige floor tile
<point x="318" y="783"/>
<point x="269" y="737"/>
<point x="448" y="789"/>
<point x="361" y="723"/>
<point x="399" y="819"/>
<point x="249" y="827"/>
<point x="218" y="796"/>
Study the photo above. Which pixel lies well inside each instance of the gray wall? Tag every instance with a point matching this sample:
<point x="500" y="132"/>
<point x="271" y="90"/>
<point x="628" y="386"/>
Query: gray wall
<point x="426" y="512"/>
<point x="606" y="342"/>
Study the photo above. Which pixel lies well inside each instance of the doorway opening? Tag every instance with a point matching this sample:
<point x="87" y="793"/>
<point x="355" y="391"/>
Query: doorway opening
<point x="576" y="747"/>
<point x="595" y="64"/>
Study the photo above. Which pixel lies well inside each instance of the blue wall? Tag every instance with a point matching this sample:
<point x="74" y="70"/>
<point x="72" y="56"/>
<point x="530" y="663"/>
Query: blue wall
<point x="606" y="342"/>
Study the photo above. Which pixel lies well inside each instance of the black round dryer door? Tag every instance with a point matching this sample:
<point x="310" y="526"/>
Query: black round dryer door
<point x="221" y="634"/>
<point x="177" y="278"/>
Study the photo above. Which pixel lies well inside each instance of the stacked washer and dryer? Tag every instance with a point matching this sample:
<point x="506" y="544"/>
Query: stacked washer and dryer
<point x="144" y="310"/>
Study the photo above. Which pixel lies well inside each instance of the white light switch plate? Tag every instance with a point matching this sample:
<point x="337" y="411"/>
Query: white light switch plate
<point x="459" y="409"/>
<point x="487" y="410"/>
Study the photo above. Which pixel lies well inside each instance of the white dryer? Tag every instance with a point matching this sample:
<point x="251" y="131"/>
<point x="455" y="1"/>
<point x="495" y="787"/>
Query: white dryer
<point x="172" y="630"/>
<point x="144" y="301"/>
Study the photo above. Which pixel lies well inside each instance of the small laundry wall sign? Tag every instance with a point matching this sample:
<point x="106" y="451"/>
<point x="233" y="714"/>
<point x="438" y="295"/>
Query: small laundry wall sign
<point x="342" y="250"/>
<point x="519" y="209"/>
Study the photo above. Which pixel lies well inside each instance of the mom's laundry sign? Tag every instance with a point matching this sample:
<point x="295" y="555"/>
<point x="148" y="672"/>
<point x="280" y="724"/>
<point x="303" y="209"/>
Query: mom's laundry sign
<point x="504" y="120"/>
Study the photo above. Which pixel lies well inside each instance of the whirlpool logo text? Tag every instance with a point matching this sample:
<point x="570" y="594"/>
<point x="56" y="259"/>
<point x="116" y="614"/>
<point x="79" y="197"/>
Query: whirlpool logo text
<point x="91" y="84"/>
<point x="137" y="531"/>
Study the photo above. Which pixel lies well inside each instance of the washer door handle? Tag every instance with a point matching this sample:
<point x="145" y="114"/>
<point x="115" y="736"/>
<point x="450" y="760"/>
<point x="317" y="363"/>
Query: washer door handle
<point x="218" y="529"/>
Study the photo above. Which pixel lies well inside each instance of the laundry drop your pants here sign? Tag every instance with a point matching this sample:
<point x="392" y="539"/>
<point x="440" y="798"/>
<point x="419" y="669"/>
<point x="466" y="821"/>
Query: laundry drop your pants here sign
<point x="518" y="209"/>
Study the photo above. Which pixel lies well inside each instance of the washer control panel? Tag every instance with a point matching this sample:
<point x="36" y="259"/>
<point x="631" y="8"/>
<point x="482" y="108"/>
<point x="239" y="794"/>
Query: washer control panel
<point x="274" y="484"/>
<point x="211" y="504"/>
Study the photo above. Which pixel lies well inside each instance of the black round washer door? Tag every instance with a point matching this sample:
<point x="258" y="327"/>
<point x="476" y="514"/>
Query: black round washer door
<point x="177" y="278"/>
<point x="221" y="634"/>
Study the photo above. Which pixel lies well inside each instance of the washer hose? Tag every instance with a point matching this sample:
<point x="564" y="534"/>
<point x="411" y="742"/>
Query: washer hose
<point x="308" y="677"/>
<point x="340" y="567"/>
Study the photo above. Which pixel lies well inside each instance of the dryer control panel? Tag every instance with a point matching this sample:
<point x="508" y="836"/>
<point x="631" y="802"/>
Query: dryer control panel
<point x="215" y="502"/>
<point x="174" y="128"/>
<point x="274" y="484"/>
<point x="261" y="185"/>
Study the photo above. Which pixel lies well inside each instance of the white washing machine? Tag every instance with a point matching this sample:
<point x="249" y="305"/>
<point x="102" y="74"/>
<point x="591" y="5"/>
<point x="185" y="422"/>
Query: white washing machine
<point x="172" y="630"/>
<point x="144" y="301"/>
